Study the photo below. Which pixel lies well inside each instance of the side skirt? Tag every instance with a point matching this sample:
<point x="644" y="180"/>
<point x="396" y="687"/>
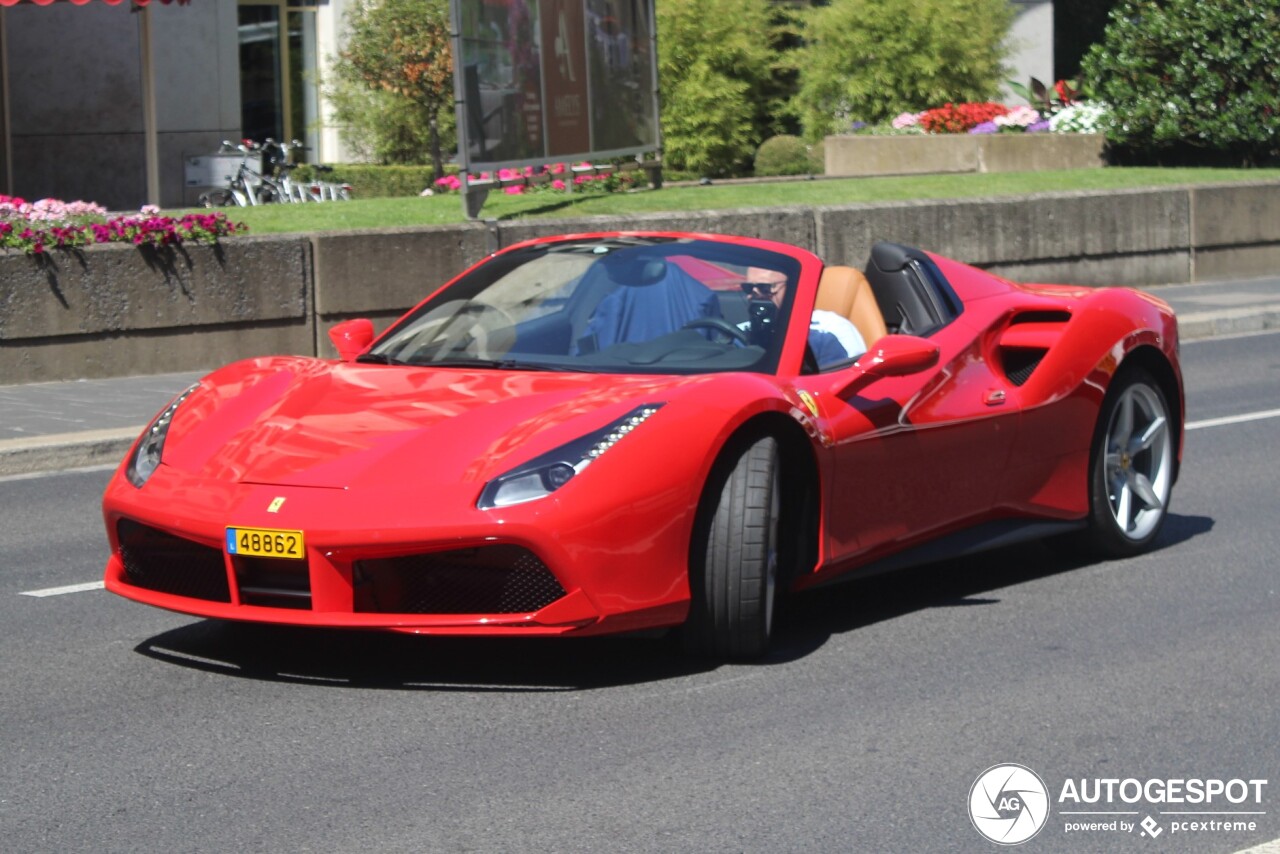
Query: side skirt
<point x="970" y="541"/>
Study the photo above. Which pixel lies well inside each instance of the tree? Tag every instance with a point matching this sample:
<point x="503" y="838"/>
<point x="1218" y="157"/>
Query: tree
<point x="869" y="60"/>
<point x="716" y="74"/>
<point x="1203" y="73"/>
<point x="401" y="47"/>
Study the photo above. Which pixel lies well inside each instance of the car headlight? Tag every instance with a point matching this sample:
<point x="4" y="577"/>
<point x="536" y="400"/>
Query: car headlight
<point x="146" y="456"/>
<point x="543" y="475"/>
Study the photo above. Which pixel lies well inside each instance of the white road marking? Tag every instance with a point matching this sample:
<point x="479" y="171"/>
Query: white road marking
<point x="69" y="588"/>
<point x="36" y="475"/>
<point x="1229" y="336"/>
<point x="1233" y="419"/>
<point x="1191" y="425"/>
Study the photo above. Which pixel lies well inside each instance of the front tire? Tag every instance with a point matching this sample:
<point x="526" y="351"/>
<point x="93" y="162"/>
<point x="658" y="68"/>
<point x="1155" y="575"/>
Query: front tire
<point x="1130" y="468"/>
<point x="733" y="573"/>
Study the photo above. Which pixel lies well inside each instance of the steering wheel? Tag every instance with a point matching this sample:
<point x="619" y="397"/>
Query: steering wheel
<point x="480" y="329"/>
<point x="720" y="325"/>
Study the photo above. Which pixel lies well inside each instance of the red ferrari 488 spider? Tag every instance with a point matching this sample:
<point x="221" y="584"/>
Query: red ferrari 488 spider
<point x="615" y="432"/>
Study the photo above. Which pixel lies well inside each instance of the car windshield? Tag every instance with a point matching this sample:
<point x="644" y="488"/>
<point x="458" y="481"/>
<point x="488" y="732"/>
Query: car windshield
<point x="607" y="305"/>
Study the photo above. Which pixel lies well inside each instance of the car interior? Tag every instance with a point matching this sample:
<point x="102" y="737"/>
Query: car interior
<point x="667" y="307"/>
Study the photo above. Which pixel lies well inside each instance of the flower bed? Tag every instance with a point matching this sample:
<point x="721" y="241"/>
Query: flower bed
<point x="36" y="227"/>
<point x="1052" y="131"/>
<point x="550" y="178"/>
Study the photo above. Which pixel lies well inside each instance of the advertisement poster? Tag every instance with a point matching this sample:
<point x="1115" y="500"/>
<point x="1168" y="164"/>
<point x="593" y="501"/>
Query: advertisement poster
<point x="501" y="88"/>
<point x="564" y="77"/>
<point x="548" y="80"/>
<point x="620" y="43"/>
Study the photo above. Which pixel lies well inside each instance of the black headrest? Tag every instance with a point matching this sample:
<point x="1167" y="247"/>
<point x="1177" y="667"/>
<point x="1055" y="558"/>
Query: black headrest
<point x="892" y="257"/>
<point x="630" y="268"/>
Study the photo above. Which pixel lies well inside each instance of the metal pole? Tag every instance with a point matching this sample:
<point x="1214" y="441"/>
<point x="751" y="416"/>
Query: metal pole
<point x="6" y="117"/>
<point x="151" y="137"/>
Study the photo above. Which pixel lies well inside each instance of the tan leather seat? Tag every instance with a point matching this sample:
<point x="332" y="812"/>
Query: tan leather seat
<point x="845" y="291"/>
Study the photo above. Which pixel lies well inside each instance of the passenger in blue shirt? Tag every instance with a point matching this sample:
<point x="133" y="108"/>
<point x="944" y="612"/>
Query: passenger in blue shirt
<point x="832" y="337"/>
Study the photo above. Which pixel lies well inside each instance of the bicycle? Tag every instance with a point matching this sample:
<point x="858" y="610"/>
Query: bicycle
<point x="248" y="187"/>
<point x="272" y="181"/>
<point x="280" y="157"/>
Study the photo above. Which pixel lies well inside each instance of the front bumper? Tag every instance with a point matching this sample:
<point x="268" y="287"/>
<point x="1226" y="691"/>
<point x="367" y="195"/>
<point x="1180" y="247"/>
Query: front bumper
<point x="537" y="569"/>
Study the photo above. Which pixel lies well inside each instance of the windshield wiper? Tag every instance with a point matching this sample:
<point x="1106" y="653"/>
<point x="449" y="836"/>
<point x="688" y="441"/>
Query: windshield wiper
<point x="378" y="359"/>
<point x="492" y="364"/>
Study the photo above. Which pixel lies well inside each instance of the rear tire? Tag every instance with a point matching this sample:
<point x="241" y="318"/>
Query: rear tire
<point x="733" y="573"/>
<point x="1130" y="468"/>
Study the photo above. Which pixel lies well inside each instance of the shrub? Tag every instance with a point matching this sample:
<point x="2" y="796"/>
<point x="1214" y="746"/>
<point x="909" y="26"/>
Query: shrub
<point x="786" y="155"/>
<point x="369" y="181"/>
<point x="715" y="70"/>
<point x="873" y="59"/>
<point x="1198" y="72"/>
<point x="382" y="127"/>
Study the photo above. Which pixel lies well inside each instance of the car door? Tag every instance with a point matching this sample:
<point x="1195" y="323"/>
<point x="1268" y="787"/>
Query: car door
<point x="910" y="456"/>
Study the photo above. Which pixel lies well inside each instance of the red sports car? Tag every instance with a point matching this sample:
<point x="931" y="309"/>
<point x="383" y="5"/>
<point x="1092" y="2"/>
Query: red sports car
<point x="614" y="432"/>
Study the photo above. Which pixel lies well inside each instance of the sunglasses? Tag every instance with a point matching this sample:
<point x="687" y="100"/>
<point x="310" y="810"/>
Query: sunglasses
<point x="763" y="289"/>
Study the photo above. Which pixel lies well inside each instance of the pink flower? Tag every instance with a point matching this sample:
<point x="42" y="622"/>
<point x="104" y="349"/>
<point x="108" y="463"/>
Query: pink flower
<point x="907" y="120"/>
<point x="558" y="184"/>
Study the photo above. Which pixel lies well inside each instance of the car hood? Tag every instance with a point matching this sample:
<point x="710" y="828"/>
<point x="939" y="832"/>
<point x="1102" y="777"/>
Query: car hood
<point x="314" y="423"/>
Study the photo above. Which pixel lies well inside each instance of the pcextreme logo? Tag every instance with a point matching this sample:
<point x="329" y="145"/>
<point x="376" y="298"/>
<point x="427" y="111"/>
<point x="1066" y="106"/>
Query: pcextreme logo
<point x="1009" y="804"/>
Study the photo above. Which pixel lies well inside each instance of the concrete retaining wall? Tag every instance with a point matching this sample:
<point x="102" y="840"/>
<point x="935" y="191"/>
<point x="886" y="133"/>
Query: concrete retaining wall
<point x="117" y="310"/>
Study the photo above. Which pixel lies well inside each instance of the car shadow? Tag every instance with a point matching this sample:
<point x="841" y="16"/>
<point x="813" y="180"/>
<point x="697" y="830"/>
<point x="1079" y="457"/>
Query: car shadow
<point x="381" y="660"/>
<point x="809" y="621"/>
<point x="338" y="658"/>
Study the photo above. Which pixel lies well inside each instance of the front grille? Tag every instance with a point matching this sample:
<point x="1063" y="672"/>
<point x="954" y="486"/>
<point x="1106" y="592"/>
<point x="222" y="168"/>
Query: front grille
<point x="273" y="583"/>
<point x="499" y="579"/>
<point x="159" y="561"/>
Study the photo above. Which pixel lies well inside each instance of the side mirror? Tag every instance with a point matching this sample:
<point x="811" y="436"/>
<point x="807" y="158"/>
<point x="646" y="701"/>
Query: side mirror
<point x="892" y="356"/>
<point x="898" y="356"/>
<point x="351" y="337"/>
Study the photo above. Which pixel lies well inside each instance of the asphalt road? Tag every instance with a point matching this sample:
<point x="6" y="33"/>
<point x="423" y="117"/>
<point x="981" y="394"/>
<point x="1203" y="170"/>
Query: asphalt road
<point x="124" y="728"/>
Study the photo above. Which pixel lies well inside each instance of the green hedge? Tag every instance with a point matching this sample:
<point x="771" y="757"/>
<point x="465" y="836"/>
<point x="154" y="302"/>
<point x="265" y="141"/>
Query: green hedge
<point x="370" y="181"/>
<point x="788" y="155"/>
<point x="1182" y="73"/>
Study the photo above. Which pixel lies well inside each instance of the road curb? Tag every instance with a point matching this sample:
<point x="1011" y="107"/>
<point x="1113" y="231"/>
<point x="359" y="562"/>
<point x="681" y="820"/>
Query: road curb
<point x="65" y="450"/>
<point x="1227" y="321"/>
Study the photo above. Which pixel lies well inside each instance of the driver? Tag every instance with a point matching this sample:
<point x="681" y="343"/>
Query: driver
<point x="832" y="337"/>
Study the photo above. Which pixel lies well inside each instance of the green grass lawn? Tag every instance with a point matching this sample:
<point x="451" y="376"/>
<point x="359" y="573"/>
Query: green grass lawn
<point x="445" y="209"/>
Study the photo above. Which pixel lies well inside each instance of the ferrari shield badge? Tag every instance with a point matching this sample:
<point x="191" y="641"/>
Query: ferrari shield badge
<point x="275" y="505"/>
<point x="809" y="403"/>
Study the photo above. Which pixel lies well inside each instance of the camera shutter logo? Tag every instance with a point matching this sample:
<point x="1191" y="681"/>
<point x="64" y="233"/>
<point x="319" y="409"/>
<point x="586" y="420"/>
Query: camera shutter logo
<point x="1008" y="804"/>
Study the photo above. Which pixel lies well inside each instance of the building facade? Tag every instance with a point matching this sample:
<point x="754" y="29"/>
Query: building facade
<point x="106" y="103"/>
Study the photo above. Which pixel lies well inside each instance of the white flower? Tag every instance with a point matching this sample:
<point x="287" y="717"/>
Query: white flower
<point x="1079" y="118"/>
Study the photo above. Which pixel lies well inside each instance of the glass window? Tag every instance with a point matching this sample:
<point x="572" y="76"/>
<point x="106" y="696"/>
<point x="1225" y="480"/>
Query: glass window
<point x="278" y="93"/>
<point x="611" y="305"/>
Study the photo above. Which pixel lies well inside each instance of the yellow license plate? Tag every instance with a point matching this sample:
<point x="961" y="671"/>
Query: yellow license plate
<point x="266" y="542"/>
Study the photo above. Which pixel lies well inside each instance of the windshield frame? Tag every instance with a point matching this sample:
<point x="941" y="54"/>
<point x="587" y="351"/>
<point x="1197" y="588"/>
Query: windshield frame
<point x="687" y="352"/>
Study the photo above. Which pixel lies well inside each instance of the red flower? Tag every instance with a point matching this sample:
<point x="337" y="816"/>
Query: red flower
<point x="960" y="118"/>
